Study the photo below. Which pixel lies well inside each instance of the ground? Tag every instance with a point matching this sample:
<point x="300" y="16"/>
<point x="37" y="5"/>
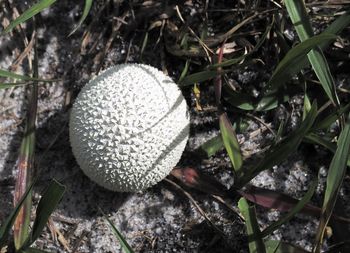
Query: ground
<point x="163" y="218"/>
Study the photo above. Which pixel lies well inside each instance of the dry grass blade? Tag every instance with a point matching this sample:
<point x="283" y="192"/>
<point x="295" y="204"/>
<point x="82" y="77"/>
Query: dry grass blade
<point x="200" y="210"/>
<point x="26" y="163"/>
<point x="8" y="223"/>
<point x="335" y="178"/>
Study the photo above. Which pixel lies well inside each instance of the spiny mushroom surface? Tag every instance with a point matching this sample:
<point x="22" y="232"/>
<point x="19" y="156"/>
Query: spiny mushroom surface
<point x="129" y="127"/>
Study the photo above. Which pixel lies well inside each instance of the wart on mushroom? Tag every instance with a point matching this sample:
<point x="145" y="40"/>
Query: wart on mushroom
<point x="129" y="127"/>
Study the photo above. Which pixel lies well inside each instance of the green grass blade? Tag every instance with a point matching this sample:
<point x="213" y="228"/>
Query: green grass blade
<point x="318" y="140"/>
<point x="212" y="146"/>
<point x="255" y="241"/>
<point x="87" y="7"/>
<point x="273" y="246"/>
<point x="330" y="119"/>
<point x="32" y="11"/>
<point x="301" y="22"/>
<point x="47" y="204"/>
<point x="11" y="85"/>
<point x="296" y="209"/>
<point x="230" y="62"/>
<point x="8" y="74"/>
<point x="125" y="245"/>
<point x="200" y="77"/>
<point x="283" y="149"/>
<point x="184" y="71"/>
<point x="335" y="28"/>
<point x="290" y="63"/>
<point x="8" y="223"/>
<point x="336" y="174"/>
<point x="230" y="141"/>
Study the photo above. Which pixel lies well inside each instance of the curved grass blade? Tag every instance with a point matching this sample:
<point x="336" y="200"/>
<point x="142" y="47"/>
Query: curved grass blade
<point x="47" y="204"/>
<point x="32" y="11"/>
<point x="301" y="22"/>
<point x="271" y="100"/>
<point x="125" y="246"/>
<point x="315" y="139"/>
<point x="201" y="77"/>
<point x="8" y="223"/>
<point x="290" y="63"/>
<point x="273" y="246"/>
<point x="230" y="141"/>
<point x="335" y="28"/>
<point x="184" y="71"/>
<point x="87" y="7"/>
<point x="283" y="149"/>
<point x="296" y="209"/>
<point x="335" y="178"/>
<point x="256" y="244"/>
<point x="330" y="119"/>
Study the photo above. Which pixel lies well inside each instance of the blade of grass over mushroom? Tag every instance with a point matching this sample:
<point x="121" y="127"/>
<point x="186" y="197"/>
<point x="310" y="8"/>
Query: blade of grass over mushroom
<point x="336" y="174"/>
<point x="124" y="244"/>
<point x="273" y="246"/>
<point x="87" y="7"/>
<point x="47" y="204"/>
<point x="8" y="223"/>
<point x="296" y="209"/>
<point x="297" y="12"/>
<point x="290" y="63"/>
<point x="230" y="141"/>
<point x="283" y="149"/>
<point x="29" y="13"/>
<point x="256" y="244"/>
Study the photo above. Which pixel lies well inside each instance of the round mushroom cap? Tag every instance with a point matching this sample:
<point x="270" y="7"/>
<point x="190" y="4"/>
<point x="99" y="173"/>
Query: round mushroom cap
<point x="129" y="127"/>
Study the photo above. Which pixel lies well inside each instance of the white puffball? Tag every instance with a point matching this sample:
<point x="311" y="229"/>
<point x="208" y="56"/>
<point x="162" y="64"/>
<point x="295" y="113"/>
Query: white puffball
<point x="129" y="127"/>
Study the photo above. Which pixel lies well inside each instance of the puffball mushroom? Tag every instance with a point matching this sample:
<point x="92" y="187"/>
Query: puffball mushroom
<point x="129" y="127"/>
